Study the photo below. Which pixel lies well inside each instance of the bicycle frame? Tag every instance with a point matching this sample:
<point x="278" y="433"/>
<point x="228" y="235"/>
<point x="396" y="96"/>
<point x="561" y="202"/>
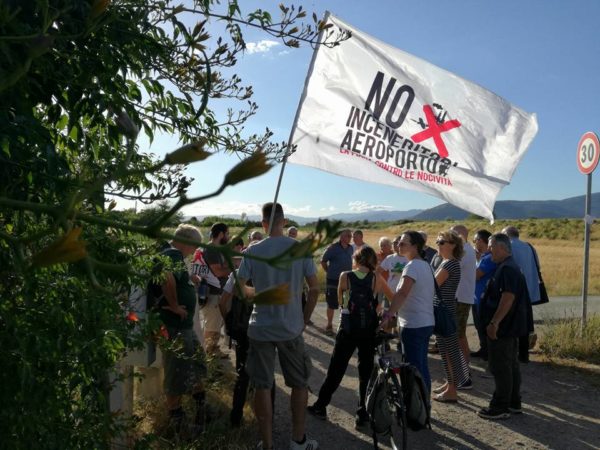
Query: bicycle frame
<point x="390" y="367"/>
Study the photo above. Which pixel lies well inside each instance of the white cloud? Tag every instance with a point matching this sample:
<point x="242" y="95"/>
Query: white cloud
<point x="236" y="208"/>
<point x="263" y="46"/>
<point x="328" y="209"/>
<point x="360" y="206"/>
<point x="297" y="210"/>
<point x="284" y="52"/>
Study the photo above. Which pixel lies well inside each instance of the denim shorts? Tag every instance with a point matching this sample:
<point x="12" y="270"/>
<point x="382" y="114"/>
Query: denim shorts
<point x="293" y="358"/>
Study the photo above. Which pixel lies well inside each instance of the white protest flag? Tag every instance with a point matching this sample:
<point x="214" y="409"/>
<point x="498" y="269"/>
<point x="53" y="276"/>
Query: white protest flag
<point x="373" y="112"/>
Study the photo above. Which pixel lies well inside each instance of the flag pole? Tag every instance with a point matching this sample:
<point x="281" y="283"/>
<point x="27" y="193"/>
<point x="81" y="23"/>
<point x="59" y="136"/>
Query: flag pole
<point x="302" y="97"/>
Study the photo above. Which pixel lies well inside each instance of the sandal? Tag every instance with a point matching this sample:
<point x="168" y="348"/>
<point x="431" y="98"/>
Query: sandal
<point x="440" y="398"/>
<point x="440" y="389"/>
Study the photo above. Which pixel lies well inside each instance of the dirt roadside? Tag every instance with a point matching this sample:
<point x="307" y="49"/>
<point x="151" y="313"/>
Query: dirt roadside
<point x="561" y="408"/>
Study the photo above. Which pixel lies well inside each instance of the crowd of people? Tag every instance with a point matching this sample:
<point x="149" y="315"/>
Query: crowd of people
<point x="395" y="287"/>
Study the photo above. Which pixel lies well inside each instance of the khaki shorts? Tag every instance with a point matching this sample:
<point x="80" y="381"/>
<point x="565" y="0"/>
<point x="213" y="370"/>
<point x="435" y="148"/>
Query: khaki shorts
<point x="462" y="315"/>
<point x="293" y="358"/>
<point x="184" y="363"/>
<point x="212" y="319"/>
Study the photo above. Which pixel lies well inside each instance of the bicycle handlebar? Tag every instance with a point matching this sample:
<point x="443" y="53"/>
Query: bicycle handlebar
<point x="385" y="336"/>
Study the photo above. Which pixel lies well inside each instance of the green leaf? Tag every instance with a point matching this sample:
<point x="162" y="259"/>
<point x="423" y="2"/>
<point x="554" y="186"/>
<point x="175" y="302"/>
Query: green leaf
<point x="74" y="133"/>
<point x="5" y="146"/>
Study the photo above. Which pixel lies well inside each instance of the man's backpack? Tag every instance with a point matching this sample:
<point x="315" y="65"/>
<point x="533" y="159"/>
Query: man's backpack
<point x="416" y="395"/>
<point x="236" y="320"/>
<point x="362" y="306"/>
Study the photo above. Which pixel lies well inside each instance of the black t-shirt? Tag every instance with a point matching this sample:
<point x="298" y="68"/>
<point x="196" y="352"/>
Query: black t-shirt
<point x="507" y="278"/>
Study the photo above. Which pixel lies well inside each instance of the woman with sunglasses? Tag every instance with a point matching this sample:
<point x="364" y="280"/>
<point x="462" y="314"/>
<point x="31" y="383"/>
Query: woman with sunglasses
<point x="447" y="276"/>
<point x="413" y="303"/>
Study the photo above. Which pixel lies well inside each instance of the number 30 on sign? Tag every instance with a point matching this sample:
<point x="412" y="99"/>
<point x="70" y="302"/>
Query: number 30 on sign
<point x="588" y="152"/>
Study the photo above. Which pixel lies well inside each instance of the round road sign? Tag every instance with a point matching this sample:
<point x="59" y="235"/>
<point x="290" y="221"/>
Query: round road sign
<point x="588" y="152"/>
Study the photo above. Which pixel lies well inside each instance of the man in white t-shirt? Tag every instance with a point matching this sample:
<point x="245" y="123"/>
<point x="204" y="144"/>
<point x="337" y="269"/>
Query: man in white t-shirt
<point x="357" y="240"/>
<point x="465" y="293"/>
<point x="394" y="265"/>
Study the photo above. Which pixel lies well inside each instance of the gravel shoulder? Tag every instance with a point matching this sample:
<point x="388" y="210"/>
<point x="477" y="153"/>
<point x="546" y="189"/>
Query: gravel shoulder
<point x="561" y="408"/>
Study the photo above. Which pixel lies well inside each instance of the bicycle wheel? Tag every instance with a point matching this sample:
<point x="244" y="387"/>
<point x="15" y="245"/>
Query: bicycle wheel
<point x="398" y="434"/>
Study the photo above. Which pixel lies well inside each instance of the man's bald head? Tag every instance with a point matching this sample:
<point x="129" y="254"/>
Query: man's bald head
<point x="511" y="232"/>
<point x="462" y="231"/>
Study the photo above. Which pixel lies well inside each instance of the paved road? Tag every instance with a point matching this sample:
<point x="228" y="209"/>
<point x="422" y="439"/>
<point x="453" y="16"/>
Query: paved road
<point x="558" y="307"/>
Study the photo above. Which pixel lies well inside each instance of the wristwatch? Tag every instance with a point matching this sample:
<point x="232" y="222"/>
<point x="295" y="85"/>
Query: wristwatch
<point x="493" y="323"/>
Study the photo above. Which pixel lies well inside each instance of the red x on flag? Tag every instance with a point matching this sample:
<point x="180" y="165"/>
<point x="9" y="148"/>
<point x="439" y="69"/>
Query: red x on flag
<point x="435" y="131"/>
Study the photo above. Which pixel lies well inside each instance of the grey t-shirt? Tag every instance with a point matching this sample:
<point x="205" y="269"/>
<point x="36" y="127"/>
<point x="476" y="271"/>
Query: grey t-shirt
<point x="278" y="322"/>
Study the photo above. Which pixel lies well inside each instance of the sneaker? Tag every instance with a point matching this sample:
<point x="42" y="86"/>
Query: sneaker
<point x="466" y="386"/>
<point x="317" y="411"/>
<point x="493" y="414"/>
<point x="516" y="409"/>
<point x="308" y="444"/>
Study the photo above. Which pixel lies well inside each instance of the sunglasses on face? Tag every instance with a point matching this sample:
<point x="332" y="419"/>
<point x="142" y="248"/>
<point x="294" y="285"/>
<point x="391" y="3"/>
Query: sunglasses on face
<point x="440" y="242"/>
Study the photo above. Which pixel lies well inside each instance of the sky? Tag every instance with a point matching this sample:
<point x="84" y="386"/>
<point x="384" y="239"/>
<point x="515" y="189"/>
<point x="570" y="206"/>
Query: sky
<point x="542" y="56"/>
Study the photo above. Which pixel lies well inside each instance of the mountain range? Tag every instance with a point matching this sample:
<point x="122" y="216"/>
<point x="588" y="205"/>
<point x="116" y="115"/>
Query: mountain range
<point x="573" y="207"/>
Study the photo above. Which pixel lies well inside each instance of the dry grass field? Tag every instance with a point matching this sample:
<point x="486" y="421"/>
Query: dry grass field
<point x="559" y="243"/>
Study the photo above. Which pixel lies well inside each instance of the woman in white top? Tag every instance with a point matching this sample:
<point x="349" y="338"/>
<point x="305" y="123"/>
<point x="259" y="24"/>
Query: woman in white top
<point x="413" y="303"/>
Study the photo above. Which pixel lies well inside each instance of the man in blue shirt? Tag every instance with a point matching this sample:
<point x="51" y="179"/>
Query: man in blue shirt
<point x="525" y="257"/>
<point x="485" y="269"/>
<point x="336" y="259"/>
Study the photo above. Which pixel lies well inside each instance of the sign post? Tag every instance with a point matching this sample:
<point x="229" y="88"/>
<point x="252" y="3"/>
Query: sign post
<point x="588" y="153"/>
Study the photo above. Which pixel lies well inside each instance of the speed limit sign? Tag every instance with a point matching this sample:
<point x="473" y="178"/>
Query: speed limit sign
<point x="588" y="152"/>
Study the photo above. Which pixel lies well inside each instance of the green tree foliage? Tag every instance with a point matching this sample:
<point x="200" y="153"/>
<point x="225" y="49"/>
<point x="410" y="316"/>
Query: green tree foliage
<point x="79" y="81"/>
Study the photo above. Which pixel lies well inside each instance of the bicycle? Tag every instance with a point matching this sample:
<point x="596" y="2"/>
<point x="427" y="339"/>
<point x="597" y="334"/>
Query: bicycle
<point x="384" y="395"/>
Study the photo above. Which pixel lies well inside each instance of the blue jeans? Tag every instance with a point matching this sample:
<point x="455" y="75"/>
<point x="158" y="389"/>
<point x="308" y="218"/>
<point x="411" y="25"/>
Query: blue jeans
<point x="415" y="342"/>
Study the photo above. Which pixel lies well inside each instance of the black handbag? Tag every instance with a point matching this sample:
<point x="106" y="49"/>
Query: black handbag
<point x="543" y="293"/>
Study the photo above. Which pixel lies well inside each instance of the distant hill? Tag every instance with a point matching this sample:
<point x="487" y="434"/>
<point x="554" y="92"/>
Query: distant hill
<point x="376" y="216"/>
<point x="573" y="207"/>
<point x="371" y="216"/>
